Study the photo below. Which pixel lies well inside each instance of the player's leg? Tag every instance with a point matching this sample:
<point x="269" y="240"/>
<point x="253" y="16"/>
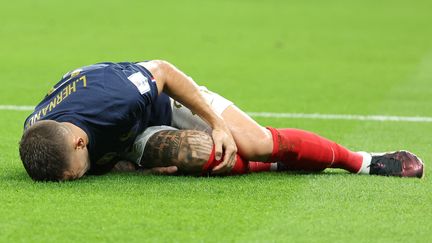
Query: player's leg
<point x="302" y="150"/>
<point x="298" y="149"/>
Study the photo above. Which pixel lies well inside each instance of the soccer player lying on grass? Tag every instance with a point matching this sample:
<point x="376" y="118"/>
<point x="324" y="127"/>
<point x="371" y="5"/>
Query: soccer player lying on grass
<point x="189" y="152"/>
<point x="98" y="115"/>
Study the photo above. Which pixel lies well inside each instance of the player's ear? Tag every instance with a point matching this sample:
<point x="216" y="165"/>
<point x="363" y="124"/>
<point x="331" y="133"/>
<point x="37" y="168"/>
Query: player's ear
<point x="79" y="143"/>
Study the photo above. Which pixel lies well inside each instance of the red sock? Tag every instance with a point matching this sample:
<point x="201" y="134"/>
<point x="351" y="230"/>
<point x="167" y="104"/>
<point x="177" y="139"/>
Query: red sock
<point x="302" y="150"/>
<point x="240" y="167"/>
<point x="259" y="166"/>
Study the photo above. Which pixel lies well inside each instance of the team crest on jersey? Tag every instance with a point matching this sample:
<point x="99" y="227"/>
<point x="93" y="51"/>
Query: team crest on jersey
<point x="140" y="81"/>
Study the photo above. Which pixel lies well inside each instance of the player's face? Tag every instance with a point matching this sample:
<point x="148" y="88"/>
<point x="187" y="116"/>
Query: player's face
<point x="79" y="162"/>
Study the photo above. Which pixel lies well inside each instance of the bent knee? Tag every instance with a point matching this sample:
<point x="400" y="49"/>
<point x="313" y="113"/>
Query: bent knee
<point x="256" y="148"/>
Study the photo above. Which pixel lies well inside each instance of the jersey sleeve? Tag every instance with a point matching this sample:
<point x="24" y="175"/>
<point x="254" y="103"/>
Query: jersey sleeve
<point x="131" y="76"/>
<point x="151" y="81"/>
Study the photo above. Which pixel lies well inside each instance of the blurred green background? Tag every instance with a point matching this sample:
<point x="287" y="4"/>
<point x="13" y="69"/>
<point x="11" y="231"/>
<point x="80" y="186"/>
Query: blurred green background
<point x="298" y="56"/>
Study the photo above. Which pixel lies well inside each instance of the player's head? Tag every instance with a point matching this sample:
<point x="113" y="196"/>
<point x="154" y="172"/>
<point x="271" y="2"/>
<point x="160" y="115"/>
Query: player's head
<point x="51" y="151"/>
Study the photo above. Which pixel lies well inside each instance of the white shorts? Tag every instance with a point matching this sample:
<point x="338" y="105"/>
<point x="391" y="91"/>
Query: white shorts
<point x="183" y="119"/>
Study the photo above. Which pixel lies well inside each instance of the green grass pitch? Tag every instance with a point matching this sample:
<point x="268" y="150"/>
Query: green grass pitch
<point x="331" y="57"/>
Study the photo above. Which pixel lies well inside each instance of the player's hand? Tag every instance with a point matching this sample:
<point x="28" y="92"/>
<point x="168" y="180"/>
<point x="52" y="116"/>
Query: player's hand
<point x="225" y="148"/>
<point x="127" y="166"/>
<point x="169" y="170"/>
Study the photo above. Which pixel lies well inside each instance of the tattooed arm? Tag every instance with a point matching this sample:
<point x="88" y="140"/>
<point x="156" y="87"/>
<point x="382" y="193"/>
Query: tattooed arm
<point x="188" y="150"/>
<point x="171" y="151"/>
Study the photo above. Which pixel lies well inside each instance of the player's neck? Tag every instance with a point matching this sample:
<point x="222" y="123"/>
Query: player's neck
<point x="77" y="131"/>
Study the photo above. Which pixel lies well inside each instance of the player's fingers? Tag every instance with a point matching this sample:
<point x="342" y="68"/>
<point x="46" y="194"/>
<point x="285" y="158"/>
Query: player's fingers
<point x="219" y="169"/>
<point x="233" y="160"/>
<point x="169" y="170"/>
<point x="232" y="153"/>
<point x="228" y="162"/>
<point x="218" y="149"/>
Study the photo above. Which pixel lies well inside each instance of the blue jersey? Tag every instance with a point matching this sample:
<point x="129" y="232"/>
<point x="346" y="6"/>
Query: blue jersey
<point x="111" y="102"/>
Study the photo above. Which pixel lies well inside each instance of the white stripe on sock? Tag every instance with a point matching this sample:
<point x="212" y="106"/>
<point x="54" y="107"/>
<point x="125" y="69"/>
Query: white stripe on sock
<point x="367" y="158"/>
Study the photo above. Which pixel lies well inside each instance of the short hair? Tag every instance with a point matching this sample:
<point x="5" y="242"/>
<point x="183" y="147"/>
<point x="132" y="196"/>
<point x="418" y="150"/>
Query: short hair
<point x="43" y="151"/>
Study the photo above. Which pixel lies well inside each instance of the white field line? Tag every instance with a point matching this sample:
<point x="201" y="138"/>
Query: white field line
<point x="16" y="108"/>
<point x="316" y="116"/>
<point x="342" y="117"/>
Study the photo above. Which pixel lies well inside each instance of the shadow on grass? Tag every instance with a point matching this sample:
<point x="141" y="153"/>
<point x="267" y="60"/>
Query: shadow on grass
<point x="20" y="176"/>
<point x="263" y="176"/>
